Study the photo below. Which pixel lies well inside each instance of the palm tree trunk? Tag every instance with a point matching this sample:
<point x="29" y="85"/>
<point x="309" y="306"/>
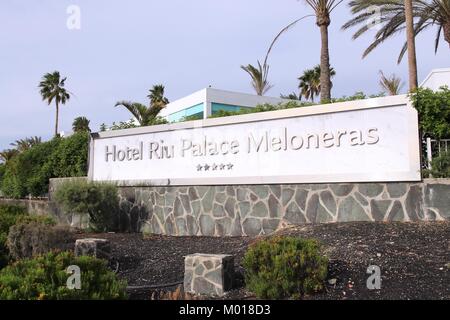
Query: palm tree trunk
<point x="56" y="120"/>
<point x="410" y="37"/>
<point x="325" y="81"/>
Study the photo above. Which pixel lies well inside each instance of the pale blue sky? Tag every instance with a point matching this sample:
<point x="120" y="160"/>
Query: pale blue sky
<point x="124" y="47"/>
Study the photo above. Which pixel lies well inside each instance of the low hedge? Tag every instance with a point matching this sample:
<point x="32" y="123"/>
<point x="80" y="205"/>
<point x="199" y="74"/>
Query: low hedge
<point x="285" y="267"/>
<point x="11" y="215"/>
<point x="28" y="239"/>
<point x="98" y="200"/>
<point x="45" y="278"/>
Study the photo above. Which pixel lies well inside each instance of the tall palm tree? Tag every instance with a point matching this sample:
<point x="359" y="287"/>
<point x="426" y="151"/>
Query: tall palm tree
<point x="259" y="76"/>
<point x="156" y="96"/>
<point x="411" y="45"/>
<point x="52" y="88"/>
<point x="81" y="124"/>
<point x="310" y="82"/>
<point x="322" y="10"/>
<point x="391" y="85"/>
<point x="427" y="13"/>
<point x="24" y="144"/>
<point x="8" y="154"/>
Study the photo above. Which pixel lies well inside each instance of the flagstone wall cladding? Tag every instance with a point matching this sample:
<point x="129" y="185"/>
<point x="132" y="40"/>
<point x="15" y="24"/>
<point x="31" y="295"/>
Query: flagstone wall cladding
<point x="208" y="274"/>
<point x="261" y="209"/>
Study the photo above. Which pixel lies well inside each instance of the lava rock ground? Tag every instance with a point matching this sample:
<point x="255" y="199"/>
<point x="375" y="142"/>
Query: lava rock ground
<point x="414" y="259"/>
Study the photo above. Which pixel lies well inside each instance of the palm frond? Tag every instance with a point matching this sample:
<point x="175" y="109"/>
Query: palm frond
<point x="392" y="21"/>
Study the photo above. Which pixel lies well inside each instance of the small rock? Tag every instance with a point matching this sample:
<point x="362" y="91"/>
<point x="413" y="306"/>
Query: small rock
<point x="332" y="281"/>
<point x="378" y="254"/>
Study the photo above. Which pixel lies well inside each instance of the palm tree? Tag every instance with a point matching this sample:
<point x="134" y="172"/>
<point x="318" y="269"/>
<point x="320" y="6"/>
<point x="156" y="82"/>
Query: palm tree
<point x="81" y="124"/>
<point x="393" y="20"/>
<point x="156" y="96"/>
<point x="138" y="110"/>
<point x="24" y="144"/>
<point x="147" y="115"/>
<point x="411" y="45"/>
<point x="8" y="154"/>
<point x="52" y="88"/>
<point x="259" y="76"/>
<point x="322" y="10"/>
<point x="310" y="84"/>
<point x="391" y="85"/>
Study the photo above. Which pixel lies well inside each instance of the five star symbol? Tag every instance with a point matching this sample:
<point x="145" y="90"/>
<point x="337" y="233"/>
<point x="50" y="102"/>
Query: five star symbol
<point x="215" y="167"/>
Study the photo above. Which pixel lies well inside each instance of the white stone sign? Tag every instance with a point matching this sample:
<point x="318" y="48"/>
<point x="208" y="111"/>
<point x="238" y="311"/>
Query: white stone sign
<point x="360" y="141"/>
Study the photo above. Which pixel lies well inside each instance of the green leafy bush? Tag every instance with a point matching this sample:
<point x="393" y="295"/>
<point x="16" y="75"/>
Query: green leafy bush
<point x="70" y="157"/>
<point x="284" y="267"/>
<point x="359" y="95"/>
<point x="434" y="111"/>
<point x="9" y="215"/>
<point x="440" y="166"/>
<point x="99" y="200"/>
<point x="131" y="124"/>
<point x="28" y="173"/>
<point x="31" y="238"/>
<point x="45" y="278"/>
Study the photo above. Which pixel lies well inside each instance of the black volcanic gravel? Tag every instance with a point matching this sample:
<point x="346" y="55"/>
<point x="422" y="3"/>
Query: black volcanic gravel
<point x="414" y="258"/>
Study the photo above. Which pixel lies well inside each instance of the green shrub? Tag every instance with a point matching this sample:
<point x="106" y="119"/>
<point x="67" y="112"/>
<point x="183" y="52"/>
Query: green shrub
<point x="99" y="200"/>
<point x="284" y="267"/>
<point x="28" y="172"/>
<point x="70" y="158"/>
<point x="31" y="238"/>
<point x="359" y="95"/>
<point x="45" y="278"/>
<point x="8" y="217"/>
<point x="440" y="166"/>
<point x="433" y="108"/>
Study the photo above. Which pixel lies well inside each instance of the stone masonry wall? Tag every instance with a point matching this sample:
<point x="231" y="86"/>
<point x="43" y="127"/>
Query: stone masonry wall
<point x="261" y="209"/>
